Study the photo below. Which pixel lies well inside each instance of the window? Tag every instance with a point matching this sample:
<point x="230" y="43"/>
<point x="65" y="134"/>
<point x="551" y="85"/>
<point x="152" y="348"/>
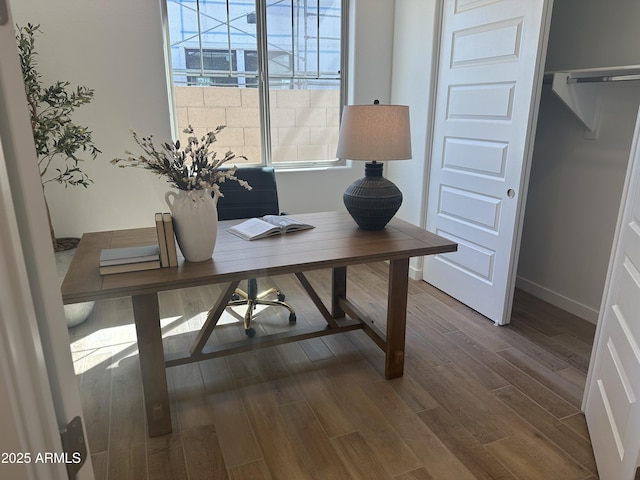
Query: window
<point x="208" y="62"/>
<point x="270" y="70"/>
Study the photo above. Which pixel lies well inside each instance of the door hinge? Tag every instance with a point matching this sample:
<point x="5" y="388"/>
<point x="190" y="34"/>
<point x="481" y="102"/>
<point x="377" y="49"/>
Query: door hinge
<point x="74" y="445"/>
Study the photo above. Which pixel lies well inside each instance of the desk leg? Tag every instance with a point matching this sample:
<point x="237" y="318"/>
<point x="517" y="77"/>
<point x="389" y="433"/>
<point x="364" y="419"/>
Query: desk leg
<point x="396" y="317"/>
<point x="154" y="378"/>
<point x="338" y="290"/>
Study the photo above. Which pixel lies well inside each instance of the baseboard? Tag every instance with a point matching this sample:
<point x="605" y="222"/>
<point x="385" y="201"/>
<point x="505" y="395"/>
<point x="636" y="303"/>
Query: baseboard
<point x="558" y="300"/>
<point x="415" y="273"/>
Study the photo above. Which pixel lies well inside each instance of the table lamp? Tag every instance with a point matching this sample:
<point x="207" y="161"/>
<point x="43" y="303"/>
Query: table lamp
<point x="374" y="133"/>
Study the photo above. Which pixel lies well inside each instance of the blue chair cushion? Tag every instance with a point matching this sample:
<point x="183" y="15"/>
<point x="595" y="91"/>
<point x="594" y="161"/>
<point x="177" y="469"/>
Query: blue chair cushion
<point x="239" y="202"/>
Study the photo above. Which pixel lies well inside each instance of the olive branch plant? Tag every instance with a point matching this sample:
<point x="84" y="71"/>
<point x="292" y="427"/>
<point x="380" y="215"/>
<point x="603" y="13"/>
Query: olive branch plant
<point x="59" y="142"/>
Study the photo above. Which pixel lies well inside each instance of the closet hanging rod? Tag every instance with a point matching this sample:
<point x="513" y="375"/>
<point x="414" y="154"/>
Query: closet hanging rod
<point x="629" y="77"/>
<point x="604" y="78"/>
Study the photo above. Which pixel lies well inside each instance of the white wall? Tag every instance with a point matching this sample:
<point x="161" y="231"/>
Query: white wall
<point x="576" y="183"/>
<point x="371" y="52"/>
<point x="593" y="33"/>
<point x="414" y="44"/>
<point x="412" y="85"/>
<point x="116" y="48"/>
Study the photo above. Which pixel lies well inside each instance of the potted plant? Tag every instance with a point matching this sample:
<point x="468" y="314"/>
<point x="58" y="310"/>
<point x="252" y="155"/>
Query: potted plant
<point x="59" y="144"/>
<point x="195" y="171"/>
<point x="59" y="141"/>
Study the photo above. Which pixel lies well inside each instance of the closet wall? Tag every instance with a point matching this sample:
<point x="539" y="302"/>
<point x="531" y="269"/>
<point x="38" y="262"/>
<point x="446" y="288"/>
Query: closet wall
<point x="576" y="181"/>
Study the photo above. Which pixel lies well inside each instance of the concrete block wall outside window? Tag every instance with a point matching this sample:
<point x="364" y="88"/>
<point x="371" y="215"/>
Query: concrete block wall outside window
<point x="304" y="123"/>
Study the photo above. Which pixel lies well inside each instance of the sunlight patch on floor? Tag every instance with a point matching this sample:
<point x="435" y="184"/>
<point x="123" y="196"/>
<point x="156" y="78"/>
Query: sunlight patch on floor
<point x="118" y="343"/>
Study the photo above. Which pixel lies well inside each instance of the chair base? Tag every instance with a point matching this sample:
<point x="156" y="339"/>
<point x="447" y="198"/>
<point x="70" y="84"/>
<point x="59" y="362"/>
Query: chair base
<point x="252" y="300"/>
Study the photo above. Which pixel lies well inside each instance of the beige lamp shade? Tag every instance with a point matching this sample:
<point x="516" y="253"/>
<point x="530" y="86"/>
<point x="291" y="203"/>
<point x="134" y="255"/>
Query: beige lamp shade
<point x="375" y="133"/>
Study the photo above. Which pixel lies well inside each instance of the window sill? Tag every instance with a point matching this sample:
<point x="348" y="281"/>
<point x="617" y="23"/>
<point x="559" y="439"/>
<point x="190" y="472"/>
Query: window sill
<point x="319" y="168"/>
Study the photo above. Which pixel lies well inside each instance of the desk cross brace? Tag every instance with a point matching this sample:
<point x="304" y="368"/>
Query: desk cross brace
<point x="212" y="319"/>
<point x="200" y="351"/>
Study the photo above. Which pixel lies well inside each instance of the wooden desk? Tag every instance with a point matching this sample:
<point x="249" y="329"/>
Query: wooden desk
<point x="335" y="243"/>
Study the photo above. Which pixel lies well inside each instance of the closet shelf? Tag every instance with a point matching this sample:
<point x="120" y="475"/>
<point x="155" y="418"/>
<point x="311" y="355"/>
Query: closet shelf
<point x="579" y="92"/>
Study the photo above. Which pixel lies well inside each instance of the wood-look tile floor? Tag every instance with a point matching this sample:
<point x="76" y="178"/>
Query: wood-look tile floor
<point x="477" y="401"/>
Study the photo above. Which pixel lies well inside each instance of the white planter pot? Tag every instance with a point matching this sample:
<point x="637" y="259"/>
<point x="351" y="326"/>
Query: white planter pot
<point x="75" y="313"/>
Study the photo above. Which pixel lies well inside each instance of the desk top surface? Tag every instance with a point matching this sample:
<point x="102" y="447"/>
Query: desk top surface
<point x="336" y="241"/>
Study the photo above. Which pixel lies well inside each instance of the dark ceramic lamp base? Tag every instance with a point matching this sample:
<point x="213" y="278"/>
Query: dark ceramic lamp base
<point x="373" y="200"/>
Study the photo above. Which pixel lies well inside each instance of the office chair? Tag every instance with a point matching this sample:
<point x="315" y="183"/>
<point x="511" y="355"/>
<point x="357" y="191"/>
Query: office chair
<point x="239" y="203"/>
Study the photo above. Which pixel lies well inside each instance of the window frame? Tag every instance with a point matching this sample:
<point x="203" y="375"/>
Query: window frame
<point x="263" y="86"/>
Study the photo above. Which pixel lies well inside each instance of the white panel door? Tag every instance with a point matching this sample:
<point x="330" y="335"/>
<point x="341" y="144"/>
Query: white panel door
<point x="613" y="385"/>
<point x="488" y="89"/>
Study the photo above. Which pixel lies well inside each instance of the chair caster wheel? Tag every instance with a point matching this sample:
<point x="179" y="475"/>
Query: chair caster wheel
<point x="235" y="297"/>
<point x="292" y="318"/>
<point x="251" y="332"/>
<point x="281" y="297"/>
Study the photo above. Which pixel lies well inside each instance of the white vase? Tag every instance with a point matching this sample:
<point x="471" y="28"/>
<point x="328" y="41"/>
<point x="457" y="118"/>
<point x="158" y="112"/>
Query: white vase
<point x="195" y="221"/>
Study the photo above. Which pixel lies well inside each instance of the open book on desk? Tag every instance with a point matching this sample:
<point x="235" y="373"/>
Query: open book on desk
<point x="267" y="226"/>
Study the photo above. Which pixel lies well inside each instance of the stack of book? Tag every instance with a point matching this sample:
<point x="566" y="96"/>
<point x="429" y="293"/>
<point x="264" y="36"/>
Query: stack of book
<point x="129" y="259"/>
<point x="143" y="257"/>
